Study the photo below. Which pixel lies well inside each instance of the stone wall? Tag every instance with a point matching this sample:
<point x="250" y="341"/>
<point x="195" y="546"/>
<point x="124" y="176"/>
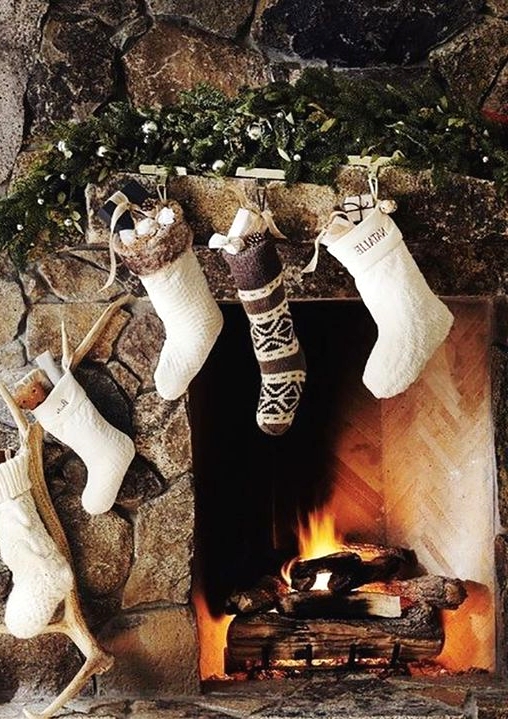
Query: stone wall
<point x="134" y="563"/>
<point x="62" y="60"/>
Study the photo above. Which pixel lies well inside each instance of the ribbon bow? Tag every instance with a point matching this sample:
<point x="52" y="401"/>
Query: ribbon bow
<point x="232" y="245"/>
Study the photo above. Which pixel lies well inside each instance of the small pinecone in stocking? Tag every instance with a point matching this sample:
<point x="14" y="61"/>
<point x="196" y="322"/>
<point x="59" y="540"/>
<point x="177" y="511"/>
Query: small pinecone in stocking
<point x="159" y="251"/>
<point x="41" y="575"/>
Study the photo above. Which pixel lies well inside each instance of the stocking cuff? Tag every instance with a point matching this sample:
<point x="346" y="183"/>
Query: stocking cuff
<point x="147" y="254"/>
<point x="255" y="266"/>
<point x="14" y="479"/>
<point x="61" y="403"/>
<point x="367" y="242"/>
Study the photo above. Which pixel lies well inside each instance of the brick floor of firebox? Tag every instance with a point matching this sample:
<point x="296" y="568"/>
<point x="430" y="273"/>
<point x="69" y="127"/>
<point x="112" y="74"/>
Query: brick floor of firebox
<point x="317" y="697"/>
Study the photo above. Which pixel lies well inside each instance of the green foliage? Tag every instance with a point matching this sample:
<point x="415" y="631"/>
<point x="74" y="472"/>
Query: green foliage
<point x="307" y="129"/>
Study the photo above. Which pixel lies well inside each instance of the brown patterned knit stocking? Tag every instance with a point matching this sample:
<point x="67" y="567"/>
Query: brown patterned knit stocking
<point x="257" y="272"/>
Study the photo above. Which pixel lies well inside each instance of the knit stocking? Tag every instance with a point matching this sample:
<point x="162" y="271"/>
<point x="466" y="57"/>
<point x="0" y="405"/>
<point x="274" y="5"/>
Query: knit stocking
<point x="176" y="285"/>
<point x="412" y="322"/>
<point x="69" y="415"/>
<point x="257" y="272"/>
<point x="40" y="573"/>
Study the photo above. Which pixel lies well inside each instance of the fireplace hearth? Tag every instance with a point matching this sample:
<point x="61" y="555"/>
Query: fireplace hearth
<point x="211" y="506"/>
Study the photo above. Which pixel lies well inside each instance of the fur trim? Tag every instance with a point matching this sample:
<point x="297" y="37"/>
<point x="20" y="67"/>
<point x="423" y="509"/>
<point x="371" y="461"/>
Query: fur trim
<point x="149" y="253"/>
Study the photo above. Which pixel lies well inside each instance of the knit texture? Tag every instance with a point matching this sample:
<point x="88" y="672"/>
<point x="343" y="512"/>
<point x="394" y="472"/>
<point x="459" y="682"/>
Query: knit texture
<point x="69" y="415"/>
<point x="192" y="322"/>
<point x="41" y="575"/>
<point x="257" y="272"/>
<point x="412" y="321"/>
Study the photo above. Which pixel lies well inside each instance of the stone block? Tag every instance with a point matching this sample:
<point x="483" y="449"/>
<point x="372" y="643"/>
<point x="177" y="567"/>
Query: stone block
<point x="163" y="536"/>
<point x="361" y="33"/>
<point x="44" y="322"/>
<point x="156" y="654"/>
<point x="163" y="435"/>
<point x="169" y="59"/>
<point x="220" y="17"/>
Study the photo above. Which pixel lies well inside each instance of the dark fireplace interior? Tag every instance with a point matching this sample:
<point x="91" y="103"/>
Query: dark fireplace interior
<point x="252" y="489"/>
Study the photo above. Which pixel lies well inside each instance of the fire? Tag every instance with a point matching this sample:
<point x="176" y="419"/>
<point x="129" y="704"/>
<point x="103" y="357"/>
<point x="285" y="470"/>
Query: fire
<point x="317" y="537"/>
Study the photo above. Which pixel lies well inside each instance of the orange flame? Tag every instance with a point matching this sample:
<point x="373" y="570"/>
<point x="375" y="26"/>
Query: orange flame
<point x="317" y="537"/>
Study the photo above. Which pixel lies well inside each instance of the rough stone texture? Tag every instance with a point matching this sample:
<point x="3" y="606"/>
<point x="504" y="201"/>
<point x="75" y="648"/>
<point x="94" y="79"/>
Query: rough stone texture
<point x="101" y="546"/>
<point x="162" y="434"/>
<point x="496" y="103"/>
<point x="221" y="17"/>
<point x="140" y="485"/>
<point x="74" y="74"/>
<point x="498" y="7"/>
<point x="361" y="33"/>
<point x="470" y="62"/>
<point x="106" y="396"/>
<point x="156" y="654"/>
<point x="37" y="667"/>
<point x="13" y="310"/>
<point x="169" y="59"/>
<point x="72" y="280"/>
<point x="12" y="355"/>
<point x="19" y="39"/>
<point x="140" y="344"/>
<point x="162" y="568"/>
<point x="44" y="322"/>
<point x="124" y="379"/>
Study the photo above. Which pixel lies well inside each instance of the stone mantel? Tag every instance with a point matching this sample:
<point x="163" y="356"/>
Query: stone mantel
<point x="456" y="229"/>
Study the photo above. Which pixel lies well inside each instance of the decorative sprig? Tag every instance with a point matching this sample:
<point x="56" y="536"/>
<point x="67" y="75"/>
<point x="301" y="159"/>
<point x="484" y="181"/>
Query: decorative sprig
<point x="307" y="129"/>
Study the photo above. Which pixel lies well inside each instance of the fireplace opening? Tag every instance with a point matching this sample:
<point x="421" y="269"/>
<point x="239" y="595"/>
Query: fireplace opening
<point x="411" y="478"/>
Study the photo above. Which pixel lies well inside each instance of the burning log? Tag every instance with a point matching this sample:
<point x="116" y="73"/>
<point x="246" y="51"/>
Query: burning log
<point x="348" y="570"/>
<point x="436" y="591"/>
<point x="260" y="598"/>
<point x="344" y="565"/>
<point x="273" y="637"/>
<point x="328" y="605"/>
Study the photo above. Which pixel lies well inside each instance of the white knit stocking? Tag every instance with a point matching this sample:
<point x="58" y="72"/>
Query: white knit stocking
<point x="40" y="573"/>
<point x="412" y="322"/>
<point x="69" y="415"/>
<point x="192" y="322"/>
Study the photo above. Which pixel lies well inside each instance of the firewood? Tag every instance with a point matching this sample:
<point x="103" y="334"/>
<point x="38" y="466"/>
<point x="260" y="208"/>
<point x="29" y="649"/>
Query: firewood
<point x="436" y="591"/>
<point x="260" y="598"/>
<point x="348" y="569"/>
<point x="343" y="565"/>
<point x="328" y="605"/>
<point x="376" y="570"/>
<point x="251" y="637"/>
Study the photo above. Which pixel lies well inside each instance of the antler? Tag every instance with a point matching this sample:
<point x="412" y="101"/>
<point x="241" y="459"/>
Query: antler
<point x="73" y="623"/>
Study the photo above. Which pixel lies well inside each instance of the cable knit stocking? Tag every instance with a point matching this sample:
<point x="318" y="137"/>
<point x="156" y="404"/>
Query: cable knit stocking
<point x="69" y="415"/>
<point x="40" y="573"/>
<point x="257" y="271"/>
<point x="176" y="285"/>
<point x="412" y="322"/>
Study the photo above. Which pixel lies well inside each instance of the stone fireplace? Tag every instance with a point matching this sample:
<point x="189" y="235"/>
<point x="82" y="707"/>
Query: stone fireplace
<point x="209" y="502"/>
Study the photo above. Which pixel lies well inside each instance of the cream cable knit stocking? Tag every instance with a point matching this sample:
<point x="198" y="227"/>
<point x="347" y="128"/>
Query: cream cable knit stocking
<point x="69" y="415"/>
<point x="412" y="321"/>
<point x="40" y="573"/>
<point x="192" y="322"/>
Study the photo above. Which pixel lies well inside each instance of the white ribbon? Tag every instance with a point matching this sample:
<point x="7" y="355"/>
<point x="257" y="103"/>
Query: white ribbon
<point x="337" y="225"/>
<point x="123" y="204"/>
<point x="232" y="245"/>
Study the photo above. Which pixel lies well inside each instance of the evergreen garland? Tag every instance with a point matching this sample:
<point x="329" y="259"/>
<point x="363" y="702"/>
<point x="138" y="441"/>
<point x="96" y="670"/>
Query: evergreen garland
<point x="307" y="129"/>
